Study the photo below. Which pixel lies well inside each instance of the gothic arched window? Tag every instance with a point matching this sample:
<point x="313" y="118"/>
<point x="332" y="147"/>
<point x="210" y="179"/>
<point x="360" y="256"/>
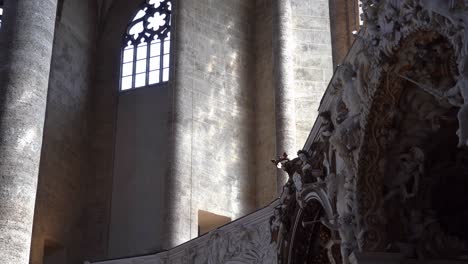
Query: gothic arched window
<point x="146" y="46"/>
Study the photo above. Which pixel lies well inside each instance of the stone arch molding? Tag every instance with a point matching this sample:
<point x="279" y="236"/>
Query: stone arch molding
<point x="355" y="136"/>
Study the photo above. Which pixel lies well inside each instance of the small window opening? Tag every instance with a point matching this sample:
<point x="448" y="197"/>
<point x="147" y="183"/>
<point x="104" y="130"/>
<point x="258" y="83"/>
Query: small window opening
<point x="208" y="221"/>
<point x="54" y="253"/>
<point x="361" y="14"/>
<point x="147" y="46"/>
<point x="1" y="12"/>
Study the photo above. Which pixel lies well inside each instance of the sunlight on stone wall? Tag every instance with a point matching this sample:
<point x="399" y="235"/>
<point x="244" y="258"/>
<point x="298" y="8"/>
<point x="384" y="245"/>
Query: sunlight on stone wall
<point x="313" y="64"/>
<point x="214" y="114"/>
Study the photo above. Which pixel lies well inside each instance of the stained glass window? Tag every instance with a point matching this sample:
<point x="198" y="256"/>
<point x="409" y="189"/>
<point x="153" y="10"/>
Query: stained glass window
<point x="146" y="46"/>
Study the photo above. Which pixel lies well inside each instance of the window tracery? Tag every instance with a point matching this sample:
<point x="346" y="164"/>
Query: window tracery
<point x="146" y="46"/>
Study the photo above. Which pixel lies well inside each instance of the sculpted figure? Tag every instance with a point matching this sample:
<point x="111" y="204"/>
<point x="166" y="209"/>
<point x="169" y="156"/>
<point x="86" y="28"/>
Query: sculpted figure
<point x="310" y="169"/>
<point x="275" y="224"/>
<point x="370" y="16"/>
<point x="445" y="8"/>
<point x="351" y="96"/>
<point x="410" y="166"/>
<point x="456" y="96"/>
<point x="280" y="160"/>
<point x="327" y="127"/>
<point x="346" y="226"/>
<point x="346" y="136"/>
<point x="428" y="239"/>
<point x="344" y="221"/>
<point x="304" y="157"/>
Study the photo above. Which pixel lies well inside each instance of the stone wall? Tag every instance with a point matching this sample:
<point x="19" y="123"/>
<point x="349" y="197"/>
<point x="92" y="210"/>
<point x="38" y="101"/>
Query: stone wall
<point x="105" y="93"/>
<point x="60" y="205"/>
<point x="306" y="26"/>
<point x="247" y="240"/>
<point x="264" y="107"/>
<point x="140" y="163"/>
<point x="221" y="119"/>
<point x="213" y="114"/>
<point x="313" y="64"/>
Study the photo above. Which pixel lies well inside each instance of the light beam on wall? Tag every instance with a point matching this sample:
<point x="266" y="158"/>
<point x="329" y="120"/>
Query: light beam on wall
<point x="1" y="16"/>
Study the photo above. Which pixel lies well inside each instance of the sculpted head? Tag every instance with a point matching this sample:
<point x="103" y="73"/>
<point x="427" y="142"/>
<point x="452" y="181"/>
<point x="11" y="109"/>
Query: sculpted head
<point x="303" y="155"/>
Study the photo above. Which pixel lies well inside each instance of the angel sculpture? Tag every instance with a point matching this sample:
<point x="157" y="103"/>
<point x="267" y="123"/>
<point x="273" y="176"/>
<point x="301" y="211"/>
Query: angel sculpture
<point x="280" y="160"/>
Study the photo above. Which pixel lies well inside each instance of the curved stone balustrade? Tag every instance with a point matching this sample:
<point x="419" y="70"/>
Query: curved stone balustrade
<point x="246" y="240"/>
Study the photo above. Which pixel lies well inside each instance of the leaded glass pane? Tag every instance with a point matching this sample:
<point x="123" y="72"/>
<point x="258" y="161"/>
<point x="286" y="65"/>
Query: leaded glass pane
<point x="154" y="77"/>
<point x="146" y="39"/>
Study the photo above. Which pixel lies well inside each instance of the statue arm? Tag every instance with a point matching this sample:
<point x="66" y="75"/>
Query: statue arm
<point x="332" y="226"/>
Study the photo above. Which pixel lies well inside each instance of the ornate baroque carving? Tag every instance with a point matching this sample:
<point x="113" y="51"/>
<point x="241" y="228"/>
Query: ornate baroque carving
<point x="399" y="85"/>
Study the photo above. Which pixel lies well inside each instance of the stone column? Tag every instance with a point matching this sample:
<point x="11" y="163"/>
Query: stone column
<point x="26" y="39"/>
<point x="344" y="19"/>
<point x="283" y="46"/>
<point x="179" y="179"/>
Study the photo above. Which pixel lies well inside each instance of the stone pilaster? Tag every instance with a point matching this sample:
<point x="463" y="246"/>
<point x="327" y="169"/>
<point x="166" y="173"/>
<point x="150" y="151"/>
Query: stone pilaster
<point x="26" y="39"/>
<point x="283" y="46"/>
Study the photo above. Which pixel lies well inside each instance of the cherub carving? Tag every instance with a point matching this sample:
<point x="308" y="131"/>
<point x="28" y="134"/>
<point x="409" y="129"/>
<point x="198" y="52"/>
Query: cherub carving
<point x="409" y="167"/>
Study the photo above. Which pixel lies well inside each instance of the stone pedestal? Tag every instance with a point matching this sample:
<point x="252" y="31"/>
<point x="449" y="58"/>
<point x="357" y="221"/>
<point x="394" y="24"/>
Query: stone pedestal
<point x="26" y="39"/>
